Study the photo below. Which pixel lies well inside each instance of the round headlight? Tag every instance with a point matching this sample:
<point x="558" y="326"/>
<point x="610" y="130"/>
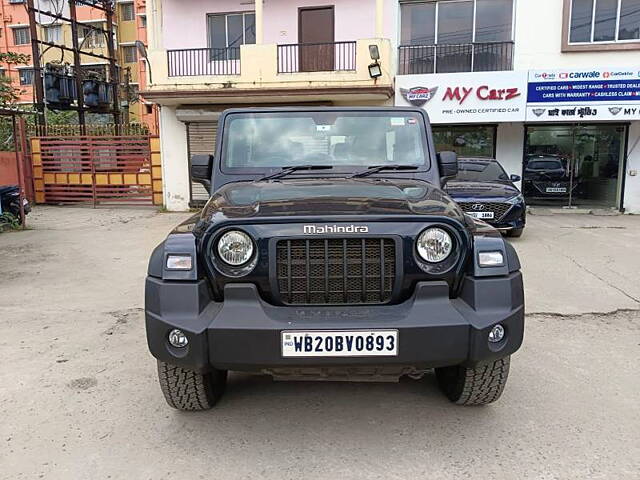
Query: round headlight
<point x="235" y="247"/>
<point x="434" y="245"/>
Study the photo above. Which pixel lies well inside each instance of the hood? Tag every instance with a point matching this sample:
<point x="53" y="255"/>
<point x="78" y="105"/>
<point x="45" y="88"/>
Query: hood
<point x="479" y="190"/>
<point x="328" y="197"/>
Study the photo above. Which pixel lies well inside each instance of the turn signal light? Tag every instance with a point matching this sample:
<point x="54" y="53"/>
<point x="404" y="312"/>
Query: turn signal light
<point x="490" y="259"/>
<point x="179" y="262"/>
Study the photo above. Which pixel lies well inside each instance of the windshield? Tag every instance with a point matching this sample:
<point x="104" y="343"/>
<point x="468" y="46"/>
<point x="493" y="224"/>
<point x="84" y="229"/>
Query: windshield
<point x="480" y="172"/>
<point x="551" y="164"/>
<point x="263" y="141"/>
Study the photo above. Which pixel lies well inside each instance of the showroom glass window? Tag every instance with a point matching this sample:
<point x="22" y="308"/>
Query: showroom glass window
<point x="599" y="21"/>
<point x="471" y="141"/>
<point x="456" y="36"/>
<point x="227" y="31"/>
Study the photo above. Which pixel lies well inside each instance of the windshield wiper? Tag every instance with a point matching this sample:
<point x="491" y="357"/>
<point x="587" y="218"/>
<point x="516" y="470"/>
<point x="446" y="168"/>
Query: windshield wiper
<point x="294" y="168"/>
<point x="379" y="168"/>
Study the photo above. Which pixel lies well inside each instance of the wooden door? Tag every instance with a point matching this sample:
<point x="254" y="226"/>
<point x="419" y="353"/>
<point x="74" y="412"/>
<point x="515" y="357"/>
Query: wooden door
<point x="316" y="36"/>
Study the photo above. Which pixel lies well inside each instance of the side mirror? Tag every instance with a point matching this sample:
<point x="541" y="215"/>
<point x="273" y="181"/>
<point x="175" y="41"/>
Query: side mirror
<point x="515" y="178"/>
<point x="448" y="163"/>
<point x="201" y="168"/>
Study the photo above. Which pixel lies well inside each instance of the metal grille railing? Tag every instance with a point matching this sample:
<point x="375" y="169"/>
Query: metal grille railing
<point x="204" y="61"/>
<point x="498" y="208"/>
<point x="316" y="57"/>
<point x="445" y="58"/>
<point x="73" y="130"/>
<point x="336" y="271"/>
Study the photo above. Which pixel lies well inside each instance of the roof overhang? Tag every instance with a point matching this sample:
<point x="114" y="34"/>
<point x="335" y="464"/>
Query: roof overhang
<point x="172" y="97"/>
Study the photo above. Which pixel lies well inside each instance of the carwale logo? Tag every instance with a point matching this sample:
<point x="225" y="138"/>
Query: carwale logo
<point x="418" y="96"/>
<point x="320" y="229"/>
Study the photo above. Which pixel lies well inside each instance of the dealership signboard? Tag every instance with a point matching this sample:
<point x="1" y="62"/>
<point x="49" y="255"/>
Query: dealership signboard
<point x="583" y="95"/>
<point x="478" y="97"/>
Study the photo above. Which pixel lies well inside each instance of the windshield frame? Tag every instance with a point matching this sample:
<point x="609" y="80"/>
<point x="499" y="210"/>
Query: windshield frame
<point x="479" y="161"/>
<point x="337" y="170"/>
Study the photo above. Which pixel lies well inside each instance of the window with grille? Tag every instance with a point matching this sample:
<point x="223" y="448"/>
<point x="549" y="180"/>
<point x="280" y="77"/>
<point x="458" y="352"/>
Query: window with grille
<point x="53" y="34"/>
<point x="21" y="36"/>
<point x="456" y="36"/>
<point x="127" y="12"/>
<point x="130" y="54"/>
<point x="90" y="37"/>
<point x="604" y="21"/>
<point x="26" y="76"/>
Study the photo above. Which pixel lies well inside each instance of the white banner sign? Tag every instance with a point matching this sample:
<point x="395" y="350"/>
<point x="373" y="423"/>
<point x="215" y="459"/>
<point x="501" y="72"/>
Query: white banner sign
<point x="583" y="95"/>
<point x="478" y="97"/>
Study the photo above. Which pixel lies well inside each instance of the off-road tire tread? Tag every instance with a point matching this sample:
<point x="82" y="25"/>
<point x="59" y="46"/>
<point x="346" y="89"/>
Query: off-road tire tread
<point x="188" y="390"/>
<point x="475" y="386"/>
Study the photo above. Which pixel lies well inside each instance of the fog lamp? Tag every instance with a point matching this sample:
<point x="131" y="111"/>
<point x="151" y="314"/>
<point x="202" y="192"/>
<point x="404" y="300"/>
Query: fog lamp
<point x="496" y="333"/>
<point x="490" y="259"/>
<point x="177" y="338"/>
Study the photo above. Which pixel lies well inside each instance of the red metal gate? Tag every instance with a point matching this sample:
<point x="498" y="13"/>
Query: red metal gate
<point x="97" y="169"/>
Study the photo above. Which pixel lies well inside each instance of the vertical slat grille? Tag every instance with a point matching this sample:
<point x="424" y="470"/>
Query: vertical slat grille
<point x="336" y="271"/>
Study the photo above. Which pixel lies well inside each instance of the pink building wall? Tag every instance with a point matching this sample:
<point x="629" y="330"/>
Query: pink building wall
<point x="354" y="19"/>
<point x="185" y="26"/>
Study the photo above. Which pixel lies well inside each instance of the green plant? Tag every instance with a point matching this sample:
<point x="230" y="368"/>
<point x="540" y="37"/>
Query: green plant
<point x="9" y="221"/>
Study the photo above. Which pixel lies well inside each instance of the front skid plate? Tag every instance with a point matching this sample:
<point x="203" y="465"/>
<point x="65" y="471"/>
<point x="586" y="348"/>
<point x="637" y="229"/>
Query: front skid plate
<point x="390" y="374"/>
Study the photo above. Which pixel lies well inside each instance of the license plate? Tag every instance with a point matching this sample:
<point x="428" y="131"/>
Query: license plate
<point x="340" y="343"/>
<point x="481" y="215"/>
<point x="556" y="189"/>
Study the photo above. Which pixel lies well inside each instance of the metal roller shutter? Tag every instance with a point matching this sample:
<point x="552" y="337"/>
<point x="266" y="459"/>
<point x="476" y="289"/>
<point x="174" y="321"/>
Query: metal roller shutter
<point x="201" y="138"/>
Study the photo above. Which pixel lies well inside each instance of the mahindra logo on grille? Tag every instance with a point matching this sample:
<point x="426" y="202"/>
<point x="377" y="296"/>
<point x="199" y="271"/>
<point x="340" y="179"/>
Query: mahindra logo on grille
<point x="319" y="229"/>
<point x="478" y="206"/>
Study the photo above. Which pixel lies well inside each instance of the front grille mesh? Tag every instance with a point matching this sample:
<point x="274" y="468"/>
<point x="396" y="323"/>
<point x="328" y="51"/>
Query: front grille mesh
<point x="498" y="208"/>
<point x="336" y="270"/>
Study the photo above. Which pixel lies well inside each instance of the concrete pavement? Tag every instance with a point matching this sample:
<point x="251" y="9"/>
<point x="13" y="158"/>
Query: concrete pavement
<point x="576" y="264"/>
<point x="80" y="399"/>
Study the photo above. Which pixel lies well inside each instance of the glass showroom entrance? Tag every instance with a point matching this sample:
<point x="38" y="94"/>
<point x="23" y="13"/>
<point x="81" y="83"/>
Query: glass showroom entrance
<point x="574" y="165"/>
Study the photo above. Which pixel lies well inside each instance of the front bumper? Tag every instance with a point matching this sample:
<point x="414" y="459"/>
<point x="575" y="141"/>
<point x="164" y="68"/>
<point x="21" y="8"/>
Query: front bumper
<point x="244" y="332"/>
<point x="514" y="219"/>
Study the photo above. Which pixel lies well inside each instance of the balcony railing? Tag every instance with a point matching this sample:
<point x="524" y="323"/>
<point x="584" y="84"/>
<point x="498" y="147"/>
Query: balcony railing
<point x="445" y="58"/>
<point x="203" y="61"/>
<point x="317" y="57"/>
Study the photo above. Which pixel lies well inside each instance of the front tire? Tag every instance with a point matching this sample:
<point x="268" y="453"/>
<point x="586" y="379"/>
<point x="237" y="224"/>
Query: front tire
<point x="188" y="390"/>
<point x="474" y="386"/>
<point x="516" y="232"/>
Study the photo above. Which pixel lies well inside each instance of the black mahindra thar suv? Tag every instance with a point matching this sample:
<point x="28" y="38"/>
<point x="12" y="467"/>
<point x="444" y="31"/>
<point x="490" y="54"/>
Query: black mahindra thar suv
<point x="329" y="251"/>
